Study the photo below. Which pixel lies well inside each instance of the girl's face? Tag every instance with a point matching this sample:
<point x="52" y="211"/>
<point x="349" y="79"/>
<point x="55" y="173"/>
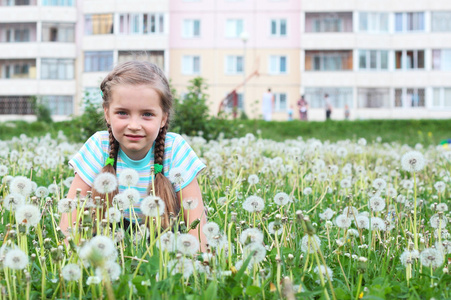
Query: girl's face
<point x="135" y="116"/>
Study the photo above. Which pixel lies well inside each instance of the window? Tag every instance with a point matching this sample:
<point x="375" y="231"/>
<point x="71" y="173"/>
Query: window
<point x="98" y="24"/>
<point x="279" y="27"/>
<point x="409" y="59"/>
<point x="59" y="105"/>
<point x="441" y="97"/>
<point x="280" y="102"/>
<point x="409" y="97"/>
<point x="17" y="2"/>
<point x="54" y="32"/>
<point x="98" y="61"/>
<point x="58" y="2"/>
<point x="373" y="22"/>
<point x="328" y="22"/>
<point x="278" y="64"/>
<point x="18" y="69"/>
<point x="17" y="35"/>
<point x="328" y="60"/>
<point x="16" y="105"/>
<point x="373" y="98"/>
<point x="234" y="64"/>
<point x="156" y="57"/>
<point x="373" y="59"/>
<point x="413" y="21"/>
<point x="52" y="68"/>
<point x="141" y="23"/>
<point x="441" y="59"/>
<point x="191" y="28"/>
<point x="338" y="97"/>
<point x="234" y="28"/>
<point x="191" y="64"/>
<point x="441" y="21"/>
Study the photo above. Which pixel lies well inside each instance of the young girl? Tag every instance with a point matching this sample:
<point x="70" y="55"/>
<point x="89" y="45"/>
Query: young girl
<point x="137" y="105"/>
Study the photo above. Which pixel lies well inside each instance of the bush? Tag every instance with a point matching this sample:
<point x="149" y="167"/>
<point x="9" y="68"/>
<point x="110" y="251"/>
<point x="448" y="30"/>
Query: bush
<point x="192" y="114"/>
<point x="92" y="119"/>
<point x="42" y="111"/>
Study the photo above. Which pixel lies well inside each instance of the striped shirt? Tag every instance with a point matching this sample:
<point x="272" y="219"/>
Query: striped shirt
<point x="91" y="158"/>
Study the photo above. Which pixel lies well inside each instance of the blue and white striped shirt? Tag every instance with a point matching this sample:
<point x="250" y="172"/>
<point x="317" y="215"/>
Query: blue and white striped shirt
<point x="91" y="158"/>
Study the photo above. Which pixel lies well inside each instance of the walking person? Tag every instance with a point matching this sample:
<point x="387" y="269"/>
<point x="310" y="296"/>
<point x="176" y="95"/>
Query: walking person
<point x="328" y="106"/>
<point x="267" y="105"/>
<point x="303" y="108"/>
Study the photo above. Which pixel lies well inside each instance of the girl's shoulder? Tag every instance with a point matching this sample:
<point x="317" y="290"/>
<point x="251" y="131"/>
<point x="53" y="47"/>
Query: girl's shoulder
<point x="100" y="139"/>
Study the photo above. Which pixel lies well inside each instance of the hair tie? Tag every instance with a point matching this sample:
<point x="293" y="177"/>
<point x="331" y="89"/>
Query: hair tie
<point x="157" y="168"/>
<point x="109" y="161"/>
<point x="101" y="93"/>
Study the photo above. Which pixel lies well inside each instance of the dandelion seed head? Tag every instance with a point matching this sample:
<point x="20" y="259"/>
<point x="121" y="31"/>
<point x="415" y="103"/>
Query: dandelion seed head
<point x="378" y="224"/>
<point x="281" y="198"/>
<point x="3" y="170"/>
<point x="412" y="161"/>
<point x="440" y="186"/>
<point x="325" y="271"/>
<point x="252" y="179"/>
<point x="152" y="206"/>
<point x="187" y="244"/>
<point x="182" y="266"/>
<point x="190" y="203"/>
<point x="210" y="229"/>
<point x="176" y="176"/>
<point x="21" y="185"/>
<point x="342" y="221"/>
<point x="105" y="183"/>
<point x="13" y="201"/>
<point x="167" y="242"/>
<point x="128" y="177"/>
<point x="310" y="244"/>
<point x="254" y="204"/>
<point x="362" y="222"/>
<point x="251" y="235"/>
<point x="379" y="184"/>
<point x="257" y="251"/>
<point x="66" y="205"/>
<point x="28" y="214"/>
<point x="71" y="272"/>
<point x="111" y="268"/>
<point x="431" y="257"/>
<point x="15" y="259"/>
<point x="273" y="229"/>
<point x="41" y="192"/>
<point x="376" y="203"/>
<point x="327" y="214"/>
<point x="307" y="191"/>
<point x="131" y="195"/>
<point x="113" y="214"/>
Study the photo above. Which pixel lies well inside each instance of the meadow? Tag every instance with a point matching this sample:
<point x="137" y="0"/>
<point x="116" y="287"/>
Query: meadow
<point x="294" y="218"/>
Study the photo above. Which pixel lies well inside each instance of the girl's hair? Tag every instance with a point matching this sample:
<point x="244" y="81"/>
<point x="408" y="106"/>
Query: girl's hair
<point x="143" y="73"/>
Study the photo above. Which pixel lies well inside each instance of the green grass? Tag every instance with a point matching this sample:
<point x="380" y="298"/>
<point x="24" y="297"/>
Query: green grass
<point x="404" y="131"/>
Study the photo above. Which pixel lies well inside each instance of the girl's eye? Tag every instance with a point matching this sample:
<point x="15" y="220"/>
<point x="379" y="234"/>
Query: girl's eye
<point x="148" y="114"/>
<point x="122" y="113"/>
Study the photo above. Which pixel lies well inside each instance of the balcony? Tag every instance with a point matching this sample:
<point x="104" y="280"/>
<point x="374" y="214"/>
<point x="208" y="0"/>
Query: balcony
<point x="37" y="87"/>
<point x="35" y="49"/>
<point x="19" y="14"/>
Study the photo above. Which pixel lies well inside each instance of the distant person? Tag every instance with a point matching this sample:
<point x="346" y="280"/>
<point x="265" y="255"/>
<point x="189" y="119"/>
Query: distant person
<point x="328" y="106"/>
<point x="290" y="113"/>
<point x="347" y="112"/>
<point x="303" y="107"/>
<point x="267" y="105"/>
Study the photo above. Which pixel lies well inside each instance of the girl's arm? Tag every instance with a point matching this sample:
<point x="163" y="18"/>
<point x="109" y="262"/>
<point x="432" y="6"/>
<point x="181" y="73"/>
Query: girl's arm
<point x="192" y="190"/>
<point x="77" y="183"/>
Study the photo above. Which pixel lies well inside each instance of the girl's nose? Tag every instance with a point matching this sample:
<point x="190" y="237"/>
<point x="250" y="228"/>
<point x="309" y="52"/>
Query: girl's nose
<point x="134" y="124"/>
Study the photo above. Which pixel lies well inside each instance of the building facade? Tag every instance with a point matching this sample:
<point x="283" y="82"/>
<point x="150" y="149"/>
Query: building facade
<point x="375" y="59"/>
<point x="382" y="59"/>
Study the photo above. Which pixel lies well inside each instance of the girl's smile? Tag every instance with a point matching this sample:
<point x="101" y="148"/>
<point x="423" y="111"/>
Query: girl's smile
<point x="135" y="116"/>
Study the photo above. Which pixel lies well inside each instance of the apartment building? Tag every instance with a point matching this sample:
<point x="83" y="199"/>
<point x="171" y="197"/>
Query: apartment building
<point x="382" y="59"/>
<point x="37" y="55"/>
<point x="242" y="45"/>
<point x="114" y="31"/>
